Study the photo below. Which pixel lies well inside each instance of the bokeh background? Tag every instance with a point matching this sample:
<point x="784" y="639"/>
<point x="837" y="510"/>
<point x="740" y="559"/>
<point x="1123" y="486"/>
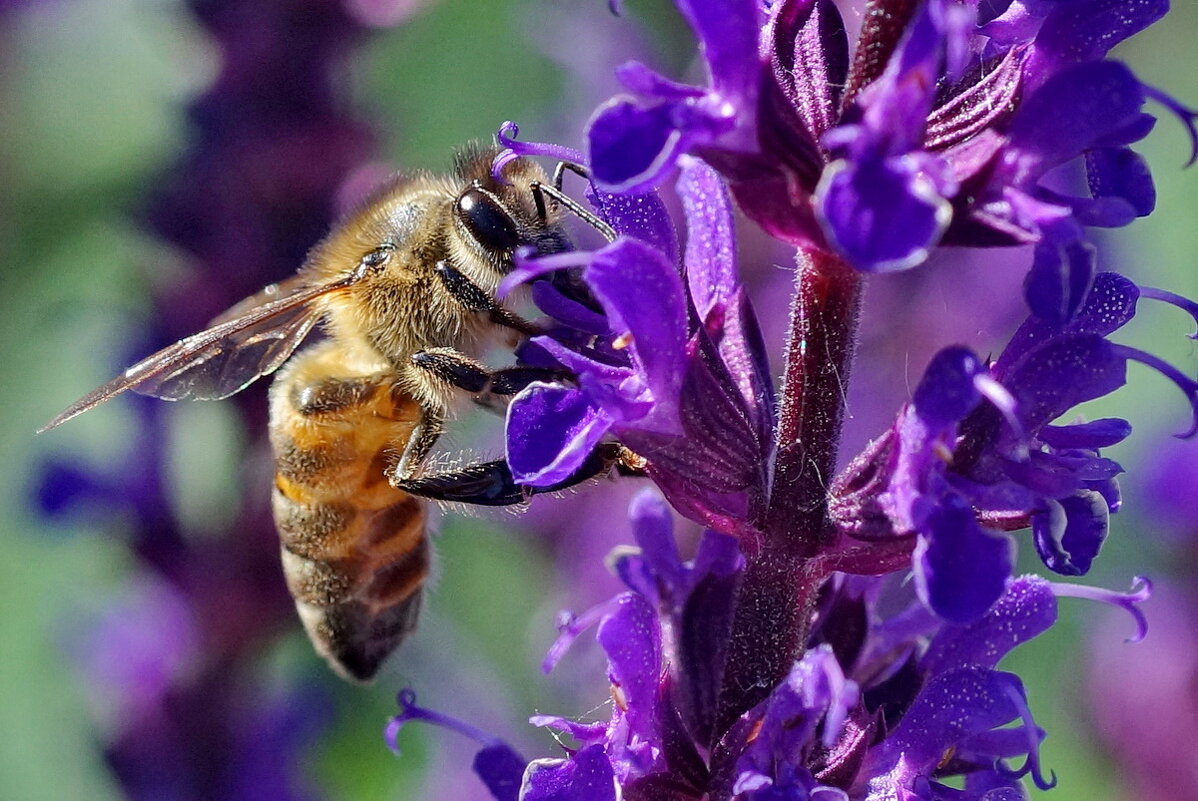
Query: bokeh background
<point x="160" y="159"/>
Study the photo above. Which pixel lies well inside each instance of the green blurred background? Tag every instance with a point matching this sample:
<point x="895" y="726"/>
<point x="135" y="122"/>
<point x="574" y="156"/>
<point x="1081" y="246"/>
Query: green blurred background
<point x="91" y="94"/>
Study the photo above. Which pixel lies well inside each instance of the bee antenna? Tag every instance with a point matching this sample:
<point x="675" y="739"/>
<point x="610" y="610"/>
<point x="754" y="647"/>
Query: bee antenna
<point x="540" y="190"/>
<point x="560" y="170"/>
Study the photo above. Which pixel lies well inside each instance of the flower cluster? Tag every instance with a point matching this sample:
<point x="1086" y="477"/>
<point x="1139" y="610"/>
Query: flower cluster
<point x="976" y="452"/>
<point x="784" y="661"/>
<point x="667" y="355"/>
<point x="942" y="129"/>
<point x="878" y="707"/>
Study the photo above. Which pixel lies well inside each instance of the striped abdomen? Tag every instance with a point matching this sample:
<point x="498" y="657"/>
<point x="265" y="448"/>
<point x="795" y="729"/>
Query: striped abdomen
<point x="355" y="552"/>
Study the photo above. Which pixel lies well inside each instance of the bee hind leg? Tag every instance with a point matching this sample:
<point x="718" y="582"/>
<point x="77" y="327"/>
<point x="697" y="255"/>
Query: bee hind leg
<point x="492" y="483"/>
<point x="424" y="436"/>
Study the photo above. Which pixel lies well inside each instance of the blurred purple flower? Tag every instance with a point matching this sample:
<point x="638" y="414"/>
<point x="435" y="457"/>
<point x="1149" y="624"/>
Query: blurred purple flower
<point x="274" y="139"/>
<point x="1149" y="724"/>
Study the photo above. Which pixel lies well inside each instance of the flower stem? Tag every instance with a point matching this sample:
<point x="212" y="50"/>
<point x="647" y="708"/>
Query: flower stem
<point x="823" y="324"/>
<point x="882" y="25"/>
<point x="781" y="580"/>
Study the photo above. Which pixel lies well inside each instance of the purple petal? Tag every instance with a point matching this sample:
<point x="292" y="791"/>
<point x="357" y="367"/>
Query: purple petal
<point x="653" y="528"/>
<point x="631" y="637"/>
<point x="710" y="257"/>
<point x="883" y="215"/>
<point x="631" y="145"/>
<point x="639" y="215"/>
<point x="550" y="432"/>
<point x="586" y="776"/>
<point x="1092" y="435"/>
<point x="1063" y="372"/>
<point x="642" y="80"/>
<point x="960" y="568"/>
<point x="1060" y="279"/>
<point x="584" y="733"/>
<point x="1118" y="172"/>
<point x="1071" y="531"/>
<point x="703" y="632"/>
<point x="896" y="106"/>
<point x="727" y="31"/>
<point x="1086" y="31"/>
<point x="643" y="296"/>
<point x="1027" y="609"/>
<point x="1110" y="304"/>
<point x="568" y="311"/>
<point x="954" y="705"/>
<point x="501" y="769"/>
<point x="1071" y="113"/>
<point x="948" y="392"/>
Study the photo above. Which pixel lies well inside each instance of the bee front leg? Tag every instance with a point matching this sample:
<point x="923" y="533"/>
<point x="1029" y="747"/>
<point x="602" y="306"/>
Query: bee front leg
<point x="475" y="298"/>
<point x="459" y="370"/>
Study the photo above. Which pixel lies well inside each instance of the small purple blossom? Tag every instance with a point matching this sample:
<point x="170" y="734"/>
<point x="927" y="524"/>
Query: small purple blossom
<point x="977" y="452"/>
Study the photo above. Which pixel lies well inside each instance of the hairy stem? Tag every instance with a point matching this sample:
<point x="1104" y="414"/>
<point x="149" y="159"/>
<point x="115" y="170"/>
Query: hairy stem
<point x="882" y="25"/>
<point x="781" y="580"/>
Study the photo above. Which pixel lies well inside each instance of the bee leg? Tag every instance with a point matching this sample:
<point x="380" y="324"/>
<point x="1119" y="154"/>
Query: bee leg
<point x="492" y="483"/>
<point x="420" y="444"/>
<point x="461" y="371"/>
<point x="474" y="298"/>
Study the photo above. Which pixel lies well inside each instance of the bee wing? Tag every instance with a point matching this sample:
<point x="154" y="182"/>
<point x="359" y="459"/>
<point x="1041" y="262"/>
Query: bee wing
<point x="287" y="288"/>
<point x="245" y="343"/>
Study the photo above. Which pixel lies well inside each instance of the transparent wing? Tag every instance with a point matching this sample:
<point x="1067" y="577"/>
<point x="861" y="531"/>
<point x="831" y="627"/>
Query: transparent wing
<point x="245" y="343"/>
<point x="287" y="288"/>
<point x="224" y="366"/>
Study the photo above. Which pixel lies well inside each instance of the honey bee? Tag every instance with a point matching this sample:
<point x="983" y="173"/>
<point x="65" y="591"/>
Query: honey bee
<point x="405" y="289"/>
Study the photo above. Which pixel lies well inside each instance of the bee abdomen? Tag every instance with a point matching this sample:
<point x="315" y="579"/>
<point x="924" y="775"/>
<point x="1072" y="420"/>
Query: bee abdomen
<point x="356" y="617"/>
<point x="355" y="551"/>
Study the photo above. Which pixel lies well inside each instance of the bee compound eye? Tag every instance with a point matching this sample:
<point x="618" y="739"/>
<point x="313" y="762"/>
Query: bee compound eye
<point x="488" y="222"/>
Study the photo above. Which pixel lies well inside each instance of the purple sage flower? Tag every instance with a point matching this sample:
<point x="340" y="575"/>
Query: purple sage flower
<point x="666" y="353"/>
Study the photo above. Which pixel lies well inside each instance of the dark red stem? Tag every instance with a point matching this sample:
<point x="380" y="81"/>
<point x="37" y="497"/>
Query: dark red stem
<point x="782" y="578"/>
<point x="882" y="25"/>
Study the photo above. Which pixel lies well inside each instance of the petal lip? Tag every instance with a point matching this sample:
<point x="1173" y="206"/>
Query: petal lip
<point x="882" y="216"/>
<point x="541" y="456"/>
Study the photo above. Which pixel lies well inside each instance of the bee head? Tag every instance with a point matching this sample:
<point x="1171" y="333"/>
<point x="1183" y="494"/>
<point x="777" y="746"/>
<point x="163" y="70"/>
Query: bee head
<point x="501" y="216"/>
